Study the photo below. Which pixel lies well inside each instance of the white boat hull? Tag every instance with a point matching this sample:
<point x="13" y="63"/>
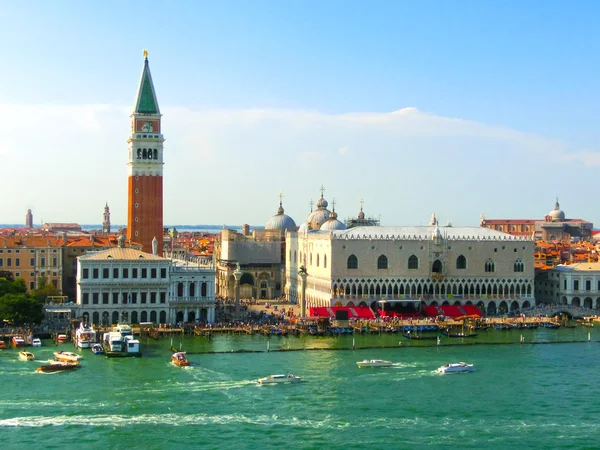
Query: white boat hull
<point x="456" y="368"/>
<point x="279" y="379"/>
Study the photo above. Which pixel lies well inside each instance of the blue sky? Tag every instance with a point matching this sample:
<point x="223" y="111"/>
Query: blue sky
<point x="498" y="99"/>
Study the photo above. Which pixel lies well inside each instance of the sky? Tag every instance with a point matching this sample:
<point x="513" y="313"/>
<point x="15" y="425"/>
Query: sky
<point x="456" y="108"/>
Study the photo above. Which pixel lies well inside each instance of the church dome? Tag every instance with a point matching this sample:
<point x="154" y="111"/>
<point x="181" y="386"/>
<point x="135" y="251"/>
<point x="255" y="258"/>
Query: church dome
<point x="281" y="221"/>
<point x="333" y="223"/>
<point x="557" y="215"/>
<point x="303" y="228"/>
<point x="318" y="218"/>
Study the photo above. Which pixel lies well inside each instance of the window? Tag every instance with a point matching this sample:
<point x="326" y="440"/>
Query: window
<point x="153" y="273"/>
<point x="32" y="262"/>
<point x="31" y="285"/>
<point x="115" y="297"/>
<point x="134" y="272"/>
<point x="163" y="297"/>
<point x="203" y="289"/>
<point x="94" y="273"/>
<point x="105" y="272"/>
<point x="115" y="272"/>
<point x="382" y="262"/>
<point x="43" y="261"/>
<point x="277" y="286"/>
<point x="8" y="262"/>
<point x="461" y="262"/>
<point x="325" y="261"/>
<point x="180" y="289"/>
<point x="54" y="261"/>
<point x="519" y="266"/>
<point x="86" y="273"/>
<point x="17" y="262"/>
<point x="105" y="298"/>
<point x="144" y="273"/>
<point x="317" y="260"/>
<point x="152" y="297"/>
<point x="134" y="297"/>
<point x="565" y="284"/>
<point x="413" y="262"/>
<point x="86" y="298"/>
<point x="588" y="285"/>
<point x="125" y="272"/>
<point x="124" y="298"/>
<point x="352" y="262"/>
<point x="143" y="297"/>
<point x="490" y="266"/>
<point x="1" y="262"/>
<point x="163" y="273"/>
<point x="95" y="298"/>
<point x="575" y="285"/>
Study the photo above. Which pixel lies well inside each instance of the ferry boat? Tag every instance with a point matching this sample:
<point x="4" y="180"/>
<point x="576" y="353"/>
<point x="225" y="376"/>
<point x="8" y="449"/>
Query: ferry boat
<point x="179" y="359"/>
<point x="36" y="342"/>
<point x="57" y="366"/>
<point x="26" y="356"/>
<point x="97" y="349"/>
<point x="460" y="367"/>
<point x="375" y="363"/>
<point x="67" y="356"/>
<point x="85" y="336"/>
<point x="280" y="379"/>
<point x="18" y="341"/>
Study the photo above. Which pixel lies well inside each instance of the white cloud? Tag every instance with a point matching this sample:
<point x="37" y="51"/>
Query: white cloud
<point x="228" y="166"/>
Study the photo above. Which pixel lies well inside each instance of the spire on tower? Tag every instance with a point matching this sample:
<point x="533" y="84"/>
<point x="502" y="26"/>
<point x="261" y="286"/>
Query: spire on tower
<point x="145" y="101"/>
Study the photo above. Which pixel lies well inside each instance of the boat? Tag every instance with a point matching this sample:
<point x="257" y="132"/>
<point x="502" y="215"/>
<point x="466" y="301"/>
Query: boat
<point x="18" y="341"/>
<point x="36" y="342"/>
<point x="459" y="334"/>
<point x="2" y="345"/>
<point x="26" y="356"/>
<point x="115" y="344"/>
<point x="57" y="366"/>
<point x="85" y="336"/>
<point x="418" y="337"/>
<point x="375" y="363"/>
<point x="279" y="379"/>
<point x="460" y="367"/>
<point x="97" y="349"/>
<point x="61" y="338"/>
<point x="179" y="359"/>
<point x="67" y="356"/>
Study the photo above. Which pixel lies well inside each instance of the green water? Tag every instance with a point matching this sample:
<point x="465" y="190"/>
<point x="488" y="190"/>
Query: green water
<point x="522" y="395"/>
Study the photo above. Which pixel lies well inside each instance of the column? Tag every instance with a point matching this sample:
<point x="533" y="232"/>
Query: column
<point x="303" y="276"/>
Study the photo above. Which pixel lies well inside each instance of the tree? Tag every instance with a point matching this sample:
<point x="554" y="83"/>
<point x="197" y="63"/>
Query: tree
<point x="44" y="290"/>
<point x="20" y="308"/>
<point x="11" y="286"/>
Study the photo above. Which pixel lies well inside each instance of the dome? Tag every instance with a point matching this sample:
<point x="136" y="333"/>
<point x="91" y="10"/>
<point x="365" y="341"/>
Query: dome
<point x="281" y="221"/>
<point x="318" y="218"/>
<point x="333" y="223"/>
<point x="303" y="228"/>
<point x="557" y="215"/>
<point x="322" y="203"/>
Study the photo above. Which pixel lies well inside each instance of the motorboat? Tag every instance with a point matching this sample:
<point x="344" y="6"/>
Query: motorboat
<point x="2" y="345"/>
<point x="18" y="341"/>
<point x="26" y="356"/>
<point x="279" y="379"/>
<point x="57" y="366"/>
<point x="179" y="359"/>
<point x="61" y="338"/>
<point x="460" y="367"/>
<point x="67" y="356"/>
<point x="97" y="349"/>
<point x="375" y="363"/>
<point x="85" y="336"/>
<point x="36" y="342"/>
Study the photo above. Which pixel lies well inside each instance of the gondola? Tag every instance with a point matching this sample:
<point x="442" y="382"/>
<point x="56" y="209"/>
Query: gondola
<point x="459" y="334"/>
<point x="416" y="337"/>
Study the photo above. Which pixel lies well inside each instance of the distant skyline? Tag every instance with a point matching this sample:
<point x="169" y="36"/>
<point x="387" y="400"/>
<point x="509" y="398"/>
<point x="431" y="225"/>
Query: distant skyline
<point x="458" y="108"/>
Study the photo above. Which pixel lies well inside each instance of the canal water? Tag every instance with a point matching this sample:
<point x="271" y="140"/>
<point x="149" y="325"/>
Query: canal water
<point x="542" y="393"/>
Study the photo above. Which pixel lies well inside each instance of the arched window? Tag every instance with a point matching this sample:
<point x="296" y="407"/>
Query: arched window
<point x="352" y="262"/>
<point x="519" y="266"/>
<point x="437" y="267"/>
<point x="311" y="259"/>
<point x="295" y="256"/>
<point x="382" y="262"/>
<point x="144" y="154"/>
<point x="413" y="262"/>
<point x="461" y="262"/>
<point x="317" y="260"/>
<point x="155" y="154"/>
<point x="490" y="266"/>
<point x="325" y="261"/>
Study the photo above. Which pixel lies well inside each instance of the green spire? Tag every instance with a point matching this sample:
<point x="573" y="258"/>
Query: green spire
<point x="145" y="102"/>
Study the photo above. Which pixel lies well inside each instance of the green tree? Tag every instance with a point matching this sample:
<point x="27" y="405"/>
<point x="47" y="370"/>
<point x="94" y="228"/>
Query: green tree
<point x="44" y="290"/>
<point x="10" y="286"/>
<point x="20" y="309"/>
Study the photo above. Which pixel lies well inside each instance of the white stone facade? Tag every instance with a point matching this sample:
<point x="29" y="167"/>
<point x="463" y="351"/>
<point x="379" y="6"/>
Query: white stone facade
<point x="429" y="264"/>
<point x="127" y="285"/>
<point x="573" y="284"/>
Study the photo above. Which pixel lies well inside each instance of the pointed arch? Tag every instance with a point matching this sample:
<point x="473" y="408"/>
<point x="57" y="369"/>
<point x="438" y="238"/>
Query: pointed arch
<point x="461" y="262"/>
<point x="382" y="262"/>
<point x="352" y="262"/>
<point x="413" y="262"/>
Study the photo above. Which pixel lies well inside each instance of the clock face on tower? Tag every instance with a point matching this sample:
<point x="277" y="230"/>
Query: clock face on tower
<point x="147" y="127"/>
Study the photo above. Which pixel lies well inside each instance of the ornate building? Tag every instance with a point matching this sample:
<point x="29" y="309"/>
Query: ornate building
<point x="145" y="167"/>
<point x="411" y="267"/>
<point x="572" y="284"/>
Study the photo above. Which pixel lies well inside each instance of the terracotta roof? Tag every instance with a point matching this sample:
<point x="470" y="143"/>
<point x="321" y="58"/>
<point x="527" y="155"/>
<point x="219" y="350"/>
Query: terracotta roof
<point x="121" y="254"/>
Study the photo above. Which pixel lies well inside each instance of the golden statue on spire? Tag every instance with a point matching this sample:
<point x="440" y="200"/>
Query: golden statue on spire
<point x="145" y="53"/>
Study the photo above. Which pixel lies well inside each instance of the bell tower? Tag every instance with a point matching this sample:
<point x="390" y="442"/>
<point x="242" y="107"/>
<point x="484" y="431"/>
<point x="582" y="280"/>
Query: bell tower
<point x="145" y="167"/>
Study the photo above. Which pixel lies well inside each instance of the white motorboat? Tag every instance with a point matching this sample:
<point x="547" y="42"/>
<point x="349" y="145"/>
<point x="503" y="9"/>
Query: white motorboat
<point x="67" y="356"/>
<point x="36" y="342"/>
<point x="279" y="379"/>
<point x="26" y="356"/>
<point x="460" y="367"/>
<point x="375" y="363"/>
<point x="85" y="336"/>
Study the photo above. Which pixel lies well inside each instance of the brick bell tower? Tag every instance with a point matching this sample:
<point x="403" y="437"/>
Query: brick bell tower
<point x="145" y="167"/>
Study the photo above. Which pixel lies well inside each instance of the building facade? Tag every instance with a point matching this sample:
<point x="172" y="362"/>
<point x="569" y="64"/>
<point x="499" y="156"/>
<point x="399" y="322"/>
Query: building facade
<point x="571" y="284"/>
<point x="127" y="285"/>
<point x="145" y="167"/>
<point x="425" y="265"/>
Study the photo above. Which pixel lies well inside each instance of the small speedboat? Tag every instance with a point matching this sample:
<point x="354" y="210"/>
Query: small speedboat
<point x="67" y="356"/>
<point x="37" y="342"/>
<point x="61" y="338"/>
<point x="375" y="363"/>
<point x="18" y="341"/>
<point x="97" y="349"/>
<point x="179" y="359"/>
<point x="57" y="366"/>
<point x="460" y="367"/>
<point x="26" y="356"/>
<point x="280" y="379"/>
